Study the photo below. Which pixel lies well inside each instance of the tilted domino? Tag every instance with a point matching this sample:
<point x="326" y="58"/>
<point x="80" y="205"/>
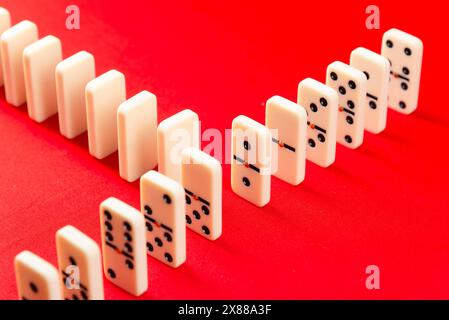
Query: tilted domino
<point x="405" y="53"/>
<point x="39" y="63"/>
<point x="79" y="261"/>
<point x="202" y="182"/>
<point x="288" y="122"/>
<point x="5" y="23"/>
<point x="104" y="95"/>
<point x="12" y="43"/>
<point x="137" y="135"/>
<point x="72" y="76"/>
<point x="36" y="278"/>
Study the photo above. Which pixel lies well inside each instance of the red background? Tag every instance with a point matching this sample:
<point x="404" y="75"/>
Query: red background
<point x="384" y="204"/>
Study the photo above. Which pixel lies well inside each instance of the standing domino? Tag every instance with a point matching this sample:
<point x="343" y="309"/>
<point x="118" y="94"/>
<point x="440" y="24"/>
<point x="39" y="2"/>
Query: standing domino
<point x="321" y="104"/>
<point x="103" y="97"/>
<point x="405" y="53"/>
<point x="5" y="23"/>
<point x="123" y="246"/>
<point x="72" y="76"/>
<point x="163" y="206"/>
<point x="174" y="134"/>
<point x="39" y="63"/>
<point x="377" y="70"/>
<point x="288" y="122"/>
<point x="36" y="278"/>
<point x="137" y="135"/>
<point x="12" y="43"/>
<point x="202" y="182"/>
<point x="351" y="86"/>
<point x="250" y="163"/>
<point x="76" y="250"/>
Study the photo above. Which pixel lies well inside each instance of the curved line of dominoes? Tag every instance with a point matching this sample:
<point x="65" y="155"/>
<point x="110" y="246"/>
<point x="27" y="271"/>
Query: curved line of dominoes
<point x="72" y="81"/>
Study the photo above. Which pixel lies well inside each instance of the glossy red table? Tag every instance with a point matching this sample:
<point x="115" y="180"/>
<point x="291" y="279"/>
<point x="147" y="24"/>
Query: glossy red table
<point x="384" y="204"/>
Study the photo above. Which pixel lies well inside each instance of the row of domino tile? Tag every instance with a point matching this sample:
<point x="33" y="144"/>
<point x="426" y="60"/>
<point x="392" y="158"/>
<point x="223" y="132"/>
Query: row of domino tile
<point x="355" y="98"/>
<point x="310" y="130"/>
<point x="127" y="235"/>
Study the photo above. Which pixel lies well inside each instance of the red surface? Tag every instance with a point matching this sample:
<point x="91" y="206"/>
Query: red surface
<point x="384" y="204"/>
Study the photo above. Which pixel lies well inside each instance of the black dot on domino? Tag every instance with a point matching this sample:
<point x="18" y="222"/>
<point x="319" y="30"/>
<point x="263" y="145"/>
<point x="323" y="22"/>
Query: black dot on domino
<point x="167" y="199"/>
<point x="246" y="145"/>
<point x="372" y="105"/>
<point x="205" y="210"/>
<point x="188" y="220"/>
<point x="150" y="247"/>
<point x="129" y="264"/>
<point x="109" y="236"/>
<point x="404" y="86"/>
<point x="366" y="74"/>
<point x="348" y="139"/>
<point x="158" y="242"/>
<point x="188" y="200"/>
<point x="128" y="247"/>
<point x="321" y="138"/>
<point x="168" y="257"/>
<point x="107" y="214"/>
<point x="323" y="102"/>
<point x="206" y="230"/>
<point x="33" y="287"/>
<point x="149" y="227"/>
<point x="128" y="236"/>
<point x="352" y="84"/>
<point x="406" y="71"/>
<point x="148" y="210"/>
<point x="389" y="44"/>
<point x="196" y="214"/>
<point x="342" y="90"/>
<point x="108" y="225"/>
<point x="127" y="226"/>
<point x="334" y="76"/>
<point x="111" y="273"/>
<point x="349" y="120"/>
<point x="350" y="104"/>
<point x="408" y="51"/>
<point x="246" y="182"/>
<point x="311" y="143"/>
<point x="168" y="236"/>
<point x="313" y="107"/>
<point x="402" y="105"/>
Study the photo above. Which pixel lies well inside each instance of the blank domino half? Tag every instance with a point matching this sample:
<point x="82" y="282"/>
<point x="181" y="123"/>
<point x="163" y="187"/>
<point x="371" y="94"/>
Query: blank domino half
<point x="321" y="104"/>
<point x="123" y="246"/>
<point x="175" y="133"/>
<point x="75" y="249"/>
<point x="103" y="97"/>
<point x="12" y="43"/>
<point x="250" y="163"/>
<point x="163" y="206"/>
<point x="202" y="182"/>
<point x="405" y="53"/>
<point x="137" y="135"/>
<point x="288" y="123"/>
<point x="36" y="278"/>
<point x="377" y="70"/>
<point x="39" y="63"/>
<point x="5" y="23"/>
<point x="350" y="84"/>
<point x="72" y="76"/>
